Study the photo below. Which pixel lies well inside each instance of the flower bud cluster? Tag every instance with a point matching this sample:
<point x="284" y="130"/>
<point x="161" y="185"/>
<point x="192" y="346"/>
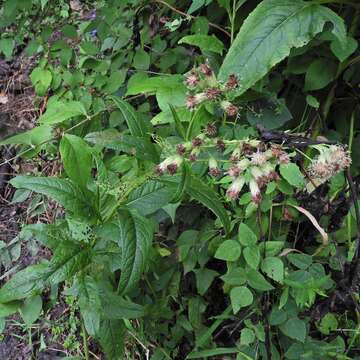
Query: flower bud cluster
<point x="249" y="162"/>
<point x="203" y="86"/>
<point x="331" y="160"/>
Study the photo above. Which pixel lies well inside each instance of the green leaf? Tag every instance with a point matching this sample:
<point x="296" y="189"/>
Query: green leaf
<point x="24" y="283"/>
<point x="240" y="297"/>
<point x="209" y="198"/>
<point x="247" y="336"/>
<point x="252" y="256"/>
<point x="301" y="261"/>
<point x="116" y="79"/>
<point x="112" y="337"/>
<point x="31" y="309"/>
<point x="270" y="32"/>
<point x="343" y="50"/>
<point x="257" y="281"/>
<point x="115" y="307"/>
<point x="89" y="303"/>
<point x="211" y="352"/>
<point x="179" y="127"/>
<point x="135" y="238"/>
<point x="141" y="60"/>
<point x="9" y="308"/>
<point x="274" y="268"/>
<point x="235" y="277"/>
<point x="328" y="323"/>
<point x="204" y="278"/>
<point x="77" y="159"/>
<point x="319" y="74"/>
<point x="229" y="250"/>
<point x="292" y="174"/>
<point x="151" y="196"/>
<point x="204" y="42"/>
<point x="61" y="111"/>
<point x="295" y="329"/>
<point x="33" y="137"/>
<point x="134" y="124"/>
<point x="312" y="101"/>
<point x="41" y="79"/>
<point x="63" y="191"/>
<point x="246" y="236"/>
<point x="7" y="46"/>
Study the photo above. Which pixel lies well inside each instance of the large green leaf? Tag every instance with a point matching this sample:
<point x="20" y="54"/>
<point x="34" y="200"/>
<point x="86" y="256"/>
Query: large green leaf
<point x="111" y="337"/>
<point x="133" y="122"/>
<point x="35" y="136"/>
<point x="76" y="156"/>
<point x="270" y="32"/>
<point x="204" y="42"/>
<point x="63" y="191"/>
<point x="209" y="198"/>
<point x="151" y="196"/>
<point x="140" y="147"/>
<point x="89" y="303"/>
<point x="24" y="283"/>
<point x="62" y="111"/>
<point x="135" y="237"/>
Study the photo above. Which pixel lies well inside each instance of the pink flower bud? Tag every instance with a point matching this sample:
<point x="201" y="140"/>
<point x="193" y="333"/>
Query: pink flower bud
<point x="232" y="82"/>
<point x="211" y="129"/>
<point x="220" y="145"/>
<point x="255" y="191"/>
<point x="229" y="108"/>
<point x="206" y="70"/>
<point x="192" y="80"/>
<point x="212" y="93"/>
<point x="194" y="100"/>
<point x="234" y="190"/>
<point x="214" y="170"/>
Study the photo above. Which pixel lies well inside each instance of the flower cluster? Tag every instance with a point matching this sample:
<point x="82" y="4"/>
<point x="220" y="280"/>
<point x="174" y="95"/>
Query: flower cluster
<point x="331" y="160"/>
<point x="248" y="161"/>
<point x="203" y="86"/>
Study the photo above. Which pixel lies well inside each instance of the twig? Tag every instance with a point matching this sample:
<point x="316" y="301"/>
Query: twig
<point x="192" y="17"/>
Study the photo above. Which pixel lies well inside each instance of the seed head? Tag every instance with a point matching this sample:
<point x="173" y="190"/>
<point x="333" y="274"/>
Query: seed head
<point x="212" y="93"/>
<point x="232" y="82"/>
<point x="206" y="70"/>
<point x="234" y="190"/>
<point x="229" y="108"/>
<point x="220" y="145"/>
<point x="211" y="129"/>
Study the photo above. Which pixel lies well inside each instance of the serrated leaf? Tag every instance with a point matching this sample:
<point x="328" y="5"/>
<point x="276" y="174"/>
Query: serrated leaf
<point x="89" y="303"/>
<point x="135" y="238"/>
<point x="209" y="198"/>
<point x="292" y="174"/>
<point x="61" y="111"/>
<point x="24" y="283"/>
<point x="31" y="309"/>
<point x="77" y="159"/>
<point x="134" y="124"/>
<point x="111" y="337"/>
<point x="151" y="196"/>
<point x="229" y="250"/>
<point x="204" y="42"/>
<point x="240" y="297"/>
<point x="270" y="32"/>
<point x="63" y="191"/>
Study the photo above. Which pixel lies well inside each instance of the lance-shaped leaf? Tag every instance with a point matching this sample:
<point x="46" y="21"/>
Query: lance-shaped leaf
<point x="111" y="337"/>
<point x="62" y="111"/>
<point x="33" y="137"/>
<point x="135" y="237"/>
<point x="63" y="191"/>
<point x="76" y="156"/>
<point x="270" y="32"/>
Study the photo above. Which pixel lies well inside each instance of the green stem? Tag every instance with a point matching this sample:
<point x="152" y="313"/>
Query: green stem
<point x="85" y="343"/>
<point x="232" y="21"/>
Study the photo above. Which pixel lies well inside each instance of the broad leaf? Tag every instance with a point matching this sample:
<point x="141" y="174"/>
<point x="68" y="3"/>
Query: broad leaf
<point x="151" y="196"/>
<point x="77" y="159"/>
<point x="273" y="267"/>
<point x="135" y="237"/>
<point x="229" y="250"/>
<point x="63" y="191"/>
<point x="257" y="281"/>
<point x="270" y="32"/>
<point x="294" y="329"/>
<point x="24" y="283"/>
<point x="111" y="337"/>
<point x="62" y="111"/>
<point x="240" y="297"/>
<point x="292" y="174"/>
<point x="204" y="42"/>
<point x="35" y="136"/>
<point x="31" y="309"/>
